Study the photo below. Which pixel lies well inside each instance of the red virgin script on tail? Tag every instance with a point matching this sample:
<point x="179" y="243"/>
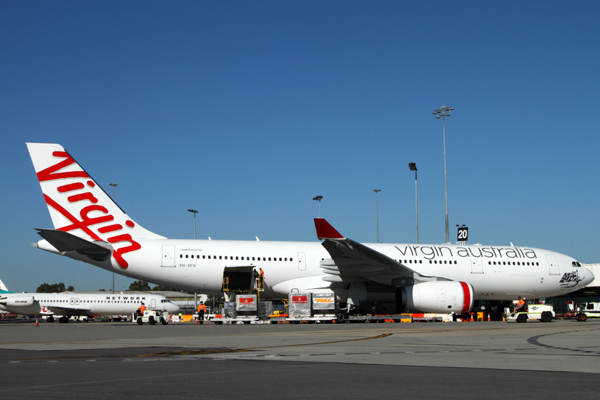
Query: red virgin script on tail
<point x="76" y="193"/>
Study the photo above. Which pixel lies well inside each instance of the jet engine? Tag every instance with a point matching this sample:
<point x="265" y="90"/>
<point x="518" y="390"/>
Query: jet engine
<point x="17" y="301"/>
<point x="436" y="297"/>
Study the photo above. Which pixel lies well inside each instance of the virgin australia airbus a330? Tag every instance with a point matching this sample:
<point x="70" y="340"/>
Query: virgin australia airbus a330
<point x="90" y="227"/>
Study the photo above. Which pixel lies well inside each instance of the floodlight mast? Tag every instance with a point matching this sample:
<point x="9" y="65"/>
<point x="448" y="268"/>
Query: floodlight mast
<point x="318" y="198"/>
<point x="194" y="212"/>
<point x="413" y="167"/>
<point x="442" y="113"/>
<point x="377" y="208"/>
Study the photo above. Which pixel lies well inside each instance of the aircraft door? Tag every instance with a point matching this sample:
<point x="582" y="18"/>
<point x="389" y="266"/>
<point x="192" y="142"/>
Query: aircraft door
<point x="476" y="265"/>
<point x="553" y="265"/>
<point x="168" y="256"/>
<point x="301" y="261"/>
<point x="153" y="304"/>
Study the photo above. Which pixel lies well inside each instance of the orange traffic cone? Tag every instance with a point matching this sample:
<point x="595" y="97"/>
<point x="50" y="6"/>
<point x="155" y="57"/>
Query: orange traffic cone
<point x="36" y="322"/>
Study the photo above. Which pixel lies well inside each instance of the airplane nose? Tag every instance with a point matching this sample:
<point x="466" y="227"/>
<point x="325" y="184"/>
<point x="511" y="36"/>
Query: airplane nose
<point x="589" y="277"/>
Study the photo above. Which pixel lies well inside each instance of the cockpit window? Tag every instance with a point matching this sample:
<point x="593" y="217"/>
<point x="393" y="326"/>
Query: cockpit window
<point x="576" y="264"/>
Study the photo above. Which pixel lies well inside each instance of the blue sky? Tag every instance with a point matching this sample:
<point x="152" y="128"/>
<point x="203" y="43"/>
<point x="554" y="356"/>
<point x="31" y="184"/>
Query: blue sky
<point x="247" y="110"/>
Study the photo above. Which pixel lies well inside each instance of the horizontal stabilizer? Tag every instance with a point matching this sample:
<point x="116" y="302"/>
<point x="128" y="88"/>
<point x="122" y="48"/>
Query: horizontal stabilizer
<point x="64" y="241"/>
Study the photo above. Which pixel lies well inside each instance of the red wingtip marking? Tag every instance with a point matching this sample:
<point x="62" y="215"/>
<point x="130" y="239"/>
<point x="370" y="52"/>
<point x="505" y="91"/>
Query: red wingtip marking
<point x="325" y="230"/>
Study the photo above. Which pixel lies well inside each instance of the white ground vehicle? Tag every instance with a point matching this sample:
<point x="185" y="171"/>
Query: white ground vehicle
<point x="152" y="317"/>
<point x="588" y="310"/>
<point x="536" y="312"/>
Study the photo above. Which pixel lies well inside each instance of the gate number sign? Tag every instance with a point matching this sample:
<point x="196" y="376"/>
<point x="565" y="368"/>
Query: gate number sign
<point x="463" y="234"/>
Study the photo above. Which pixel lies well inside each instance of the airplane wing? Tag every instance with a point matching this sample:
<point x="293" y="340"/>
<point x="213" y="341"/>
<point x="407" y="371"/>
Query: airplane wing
<point x="64" y="241"/>
<point x="67" y="310"/>
<point x="352" y="261"/>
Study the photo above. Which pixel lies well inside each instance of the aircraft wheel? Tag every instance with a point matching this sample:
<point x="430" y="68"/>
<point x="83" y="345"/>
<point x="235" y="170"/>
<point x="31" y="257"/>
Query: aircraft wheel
<point x="50" y="319"/>
<point x="63" y="320"/>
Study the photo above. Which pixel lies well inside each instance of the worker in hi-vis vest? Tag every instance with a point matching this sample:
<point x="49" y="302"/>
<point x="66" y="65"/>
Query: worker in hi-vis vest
<point x="201" y="311"/>
<point x="141" y="309"/>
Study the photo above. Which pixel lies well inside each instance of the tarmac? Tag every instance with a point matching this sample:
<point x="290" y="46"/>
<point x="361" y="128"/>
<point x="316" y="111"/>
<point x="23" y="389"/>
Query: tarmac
<point x="447" y="360"/>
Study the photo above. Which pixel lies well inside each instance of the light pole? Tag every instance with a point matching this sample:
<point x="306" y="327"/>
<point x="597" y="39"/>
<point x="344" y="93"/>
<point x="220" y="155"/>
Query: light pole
<point x="113" y="184"/>
<point x="413" y="167"/>
<point x="194" y="212"/>
<point x="377" y="207"/>
<point x="318" y="198"/>
<point x="444" y="112"/>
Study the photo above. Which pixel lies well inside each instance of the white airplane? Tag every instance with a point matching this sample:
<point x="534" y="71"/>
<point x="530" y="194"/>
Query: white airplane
<point x="90" y="227"/>
<point x="68" y="304"/>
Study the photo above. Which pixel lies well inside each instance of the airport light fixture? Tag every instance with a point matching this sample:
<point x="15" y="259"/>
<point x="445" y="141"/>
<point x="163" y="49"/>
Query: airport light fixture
<point x="318" y="198"/>
<point x="377" y="207"/>
<point x="114" y="185"/>
<point x="413" y="167"/>
<point x="442" y="113"/>
<point x="194" y="212"/>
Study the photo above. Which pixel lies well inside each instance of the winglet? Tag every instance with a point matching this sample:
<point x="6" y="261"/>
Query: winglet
<point x="325" y="230"/>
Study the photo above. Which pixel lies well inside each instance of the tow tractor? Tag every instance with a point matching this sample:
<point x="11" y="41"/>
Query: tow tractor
<point x="535" y="312"/>
<point x="152" y="317"/>
<point x="587" y="310"/>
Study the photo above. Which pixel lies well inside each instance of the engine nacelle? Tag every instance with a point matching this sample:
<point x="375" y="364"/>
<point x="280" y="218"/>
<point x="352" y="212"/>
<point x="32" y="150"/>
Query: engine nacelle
<point x="17" y="301"/>
<point x="438" y="297"/>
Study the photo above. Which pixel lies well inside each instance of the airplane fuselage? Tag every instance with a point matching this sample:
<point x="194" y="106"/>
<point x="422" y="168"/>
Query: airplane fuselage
<point x="72" y="303"/>
<point x="496" y="272"/>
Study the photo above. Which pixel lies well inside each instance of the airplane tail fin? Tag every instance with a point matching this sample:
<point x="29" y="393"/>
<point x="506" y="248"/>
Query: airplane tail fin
<point x="3" y="287"/>
<point x="78" y="205"/>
